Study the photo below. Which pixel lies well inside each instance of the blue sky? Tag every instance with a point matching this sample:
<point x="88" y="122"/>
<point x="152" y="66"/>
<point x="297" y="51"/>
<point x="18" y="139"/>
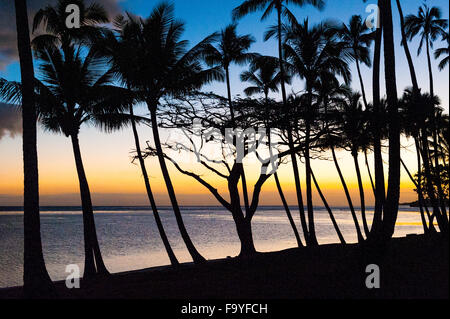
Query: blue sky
<point x="205" y="17"/>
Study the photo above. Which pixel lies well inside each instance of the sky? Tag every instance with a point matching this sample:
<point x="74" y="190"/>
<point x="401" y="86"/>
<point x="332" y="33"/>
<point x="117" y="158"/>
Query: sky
<point x="115" y="180"/>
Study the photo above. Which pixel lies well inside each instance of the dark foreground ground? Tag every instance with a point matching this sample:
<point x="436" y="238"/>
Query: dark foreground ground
<point x="412" y="267"/>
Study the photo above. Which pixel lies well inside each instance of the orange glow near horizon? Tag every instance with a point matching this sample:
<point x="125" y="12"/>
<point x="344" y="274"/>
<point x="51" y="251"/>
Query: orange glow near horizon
<point x="114" y="180"/>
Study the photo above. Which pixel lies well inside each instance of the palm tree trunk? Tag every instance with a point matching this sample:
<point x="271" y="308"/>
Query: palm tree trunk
<point x="280" y="190"/>
<point x="407" y="52"/>
<point x="378" y="157"/>
<point x="443" y="225"/>
<point x="393" y="192"/>
<point x="196" y="257"/>
<point x="330" y="213"/>
<point x="361" y="193"/>
<point x="422" y="214"/>
<point x="430" y="69"/>
<point x="230" y="100"/>
<point x="309" y="200"/>
<point x="298" y="187"/>
<point x="93" y="257"/>
<point x="299" y="194"/>
<point x="347" y="195"/>
<point x="369" y="172"/>
<point x="363" y="90"/>
<point x="288" y="211"/>
<point x="151" y="198"/>
<point x="422" y="202"/>
<point x="37" y="282"/>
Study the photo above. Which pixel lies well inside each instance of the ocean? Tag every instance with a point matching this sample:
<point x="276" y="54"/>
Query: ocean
<point x="129" y="238"/>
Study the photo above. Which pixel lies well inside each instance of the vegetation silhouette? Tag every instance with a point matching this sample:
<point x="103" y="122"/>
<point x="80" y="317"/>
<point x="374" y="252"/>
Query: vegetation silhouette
<point x="98" y="74"/>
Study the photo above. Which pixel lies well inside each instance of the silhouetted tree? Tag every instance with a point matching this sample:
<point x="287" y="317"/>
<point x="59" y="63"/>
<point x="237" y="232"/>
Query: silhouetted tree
<point x="353" y="125"/>
<point x="116" y="49"/>
<point x="231" y="48"/>
<point x="280" y="6"/>
<point x="36" y="280"/>
<point x="430" y="25"/>
<point x="357" y="38"/>
<point x="443" y="52"/>
<point x="312" y="53"/>
<point x="159" y="66"/>
<point x="265" y="76"/>
<point x="214" y="114"/>
<point x="75" y="90"/>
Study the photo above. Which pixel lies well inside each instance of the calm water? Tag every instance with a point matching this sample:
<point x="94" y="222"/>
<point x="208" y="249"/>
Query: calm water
<point x="129" y="238"/>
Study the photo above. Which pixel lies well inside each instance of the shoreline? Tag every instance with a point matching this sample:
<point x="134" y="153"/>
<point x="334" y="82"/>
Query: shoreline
<point x="411" y="267"/>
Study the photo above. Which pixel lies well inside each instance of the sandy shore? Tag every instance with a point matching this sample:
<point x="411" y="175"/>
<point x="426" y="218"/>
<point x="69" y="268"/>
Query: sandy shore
<point x="412" y="267"/>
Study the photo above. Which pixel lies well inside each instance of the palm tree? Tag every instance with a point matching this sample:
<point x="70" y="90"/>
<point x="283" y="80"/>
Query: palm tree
<point x="330" y="95"/>
<point x="353" y="125"/>
<point x="412" y="70"/>
<point x="280" y="6"/>
<point x="117" y="51"/>
<point x="430" y="25"/>
<point x="231" y="48"/>
<point x="311" y="54"/>
<point x="75" y="90"/>
<point x="265" y="76"/>
<point x="52" y="20"/>
<point x="357" y="38"/>
<point x="393" y="192"/>
<point x="414" y="118"/>
<point x="160" y="65"/>
<point x="443" y="52"/>
<point x="37" y="282"/>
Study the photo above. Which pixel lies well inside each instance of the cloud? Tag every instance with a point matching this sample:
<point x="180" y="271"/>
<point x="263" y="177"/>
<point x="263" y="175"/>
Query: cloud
<point x="8" y="46"/>
<point x="10" y="120"/>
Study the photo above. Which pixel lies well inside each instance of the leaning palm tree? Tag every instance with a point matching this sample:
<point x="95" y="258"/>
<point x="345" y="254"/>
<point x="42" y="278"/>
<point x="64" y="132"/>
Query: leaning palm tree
<point x="430" y="25"/>
<point x="443" y="52"/>
<point x="116" y="48"/>
<point x="159" y="66"/>
<point x="74" y="90"/>
<point x="414" y="118"/>
<point x="280" y="6"/>
<point x="353" y="126"/>
<point x="357" y="38"/>
<point x="311" y="53"/>
<point x="265" y="77"/>
<point x="330" y="94"/>
<point x="37" y="282"/>
<point x="77" y="90"/>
